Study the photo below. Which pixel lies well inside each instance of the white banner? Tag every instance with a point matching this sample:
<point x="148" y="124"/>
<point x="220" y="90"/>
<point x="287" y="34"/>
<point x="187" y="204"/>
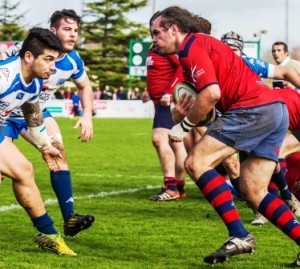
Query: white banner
<point x="106" y="108"/>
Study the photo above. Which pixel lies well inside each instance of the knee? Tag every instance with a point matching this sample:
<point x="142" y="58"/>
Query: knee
<point x="156" y="142"/>
<point x="26" y="175"/>
<point x="251" y="197"/>
<point x="189" y="165"/>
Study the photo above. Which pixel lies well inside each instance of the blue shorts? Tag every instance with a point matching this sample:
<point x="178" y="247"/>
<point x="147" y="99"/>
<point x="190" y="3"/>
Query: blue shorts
<point x="163" y="117"/>
<point x="13" y="127"/>
<point x="1" y="138"/>
<point x="258" y="131"/>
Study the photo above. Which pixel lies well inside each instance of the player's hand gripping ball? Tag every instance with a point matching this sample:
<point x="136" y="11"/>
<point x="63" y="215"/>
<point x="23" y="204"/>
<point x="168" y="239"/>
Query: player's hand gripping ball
<point x="188" y="89"/>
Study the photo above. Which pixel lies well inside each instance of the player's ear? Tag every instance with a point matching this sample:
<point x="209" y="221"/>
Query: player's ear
<point x="28" y="56"/>
<point x="174" y="28"/>
<point x="53" y="30"/>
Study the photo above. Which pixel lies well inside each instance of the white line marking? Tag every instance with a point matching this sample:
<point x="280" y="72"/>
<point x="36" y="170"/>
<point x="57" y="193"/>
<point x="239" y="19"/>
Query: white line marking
<point x="89" y="196"/>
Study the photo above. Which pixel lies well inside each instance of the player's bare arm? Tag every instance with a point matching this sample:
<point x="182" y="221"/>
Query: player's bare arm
<point x="37" y="131"/>
<point x="85" y="121"/>
<point x="32" y="114"/>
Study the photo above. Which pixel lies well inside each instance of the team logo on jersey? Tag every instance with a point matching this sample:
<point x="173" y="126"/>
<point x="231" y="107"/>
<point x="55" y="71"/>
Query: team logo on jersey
<point x="195" y="74"/>
<point x="54" y="71"/>
<point x="44" y="96"/>
<point x="3" y="105"/>
<point x="20" y="95"/>
<point x="5" y="72"/>
<point x="149" y="61"/>
<point x="60" y="81"/>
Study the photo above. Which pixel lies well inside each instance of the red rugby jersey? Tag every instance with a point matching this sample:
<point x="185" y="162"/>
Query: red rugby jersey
<point x="163" y="73"/>
<point x="206" y="61"/>
<point x="292" y="100"/>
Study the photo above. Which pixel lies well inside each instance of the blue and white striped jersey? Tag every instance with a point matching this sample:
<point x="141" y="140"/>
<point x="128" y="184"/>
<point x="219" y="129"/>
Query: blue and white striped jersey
<point x="261" y="68"/>
<point x="69" y="66"/>
<point x="14" y="91"/>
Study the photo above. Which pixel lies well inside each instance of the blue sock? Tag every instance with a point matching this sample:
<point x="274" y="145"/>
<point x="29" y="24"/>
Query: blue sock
<point x="62" y="186"/>
<point x="280" y="181"/>
<point x="236" y="186"/>
<point x="44" y="224"/>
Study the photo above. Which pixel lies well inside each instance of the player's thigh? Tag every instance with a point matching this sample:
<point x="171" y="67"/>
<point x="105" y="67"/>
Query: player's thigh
<point x="207" y="154"/>
<point x="160" y="136"/>
<point x="290" y="145"/>
<point x="13" y="163"/>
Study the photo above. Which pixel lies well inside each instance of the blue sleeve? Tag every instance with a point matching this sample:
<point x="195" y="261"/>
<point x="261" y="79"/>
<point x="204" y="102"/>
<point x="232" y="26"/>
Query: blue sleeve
<point x="80" y="70"/>
<point x="260" y="67"/>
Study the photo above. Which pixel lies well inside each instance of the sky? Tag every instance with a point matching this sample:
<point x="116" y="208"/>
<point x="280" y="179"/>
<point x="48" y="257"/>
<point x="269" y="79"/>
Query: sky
<point x="242" y="16"/>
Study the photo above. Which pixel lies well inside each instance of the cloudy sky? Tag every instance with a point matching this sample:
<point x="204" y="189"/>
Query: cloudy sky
<point x="244" y="17"/>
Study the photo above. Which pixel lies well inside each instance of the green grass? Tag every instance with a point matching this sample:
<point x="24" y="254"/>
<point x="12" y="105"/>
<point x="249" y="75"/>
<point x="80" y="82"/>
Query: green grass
<point x="129" y="231"/>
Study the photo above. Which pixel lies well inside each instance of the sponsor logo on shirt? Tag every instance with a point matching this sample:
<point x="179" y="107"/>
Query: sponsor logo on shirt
<point x="60" y="81"/>
<point x="20" y="96"/>
<point x="149" y="61"/>
<point x="5" y="72"/>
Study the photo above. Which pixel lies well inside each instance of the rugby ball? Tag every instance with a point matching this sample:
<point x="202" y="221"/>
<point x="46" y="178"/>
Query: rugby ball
<point x="188" y="89"/>
<point x="184" y="88"/>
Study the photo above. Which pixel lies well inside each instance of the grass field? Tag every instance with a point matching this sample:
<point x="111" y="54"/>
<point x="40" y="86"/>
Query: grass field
<point x="113" y="176"/>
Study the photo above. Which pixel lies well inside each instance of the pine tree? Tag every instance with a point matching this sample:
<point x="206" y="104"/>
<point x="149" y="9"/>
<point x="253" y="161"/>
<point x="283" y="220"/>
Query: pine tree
<point x="106" y="33"/>
<point x="10" y="29"/>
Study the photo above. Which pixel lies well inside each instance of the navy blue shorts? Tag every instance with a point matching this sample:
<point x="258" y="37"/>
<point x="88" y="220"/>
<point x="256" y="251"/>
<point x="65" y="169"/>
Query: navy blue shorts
<point x="163" y="117"/>
<point x="258" y="131"/>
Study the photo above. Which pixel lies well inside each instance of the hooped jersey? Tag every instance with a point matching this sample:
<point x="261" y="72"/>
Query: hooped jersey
<point x="206" y="61"/>
<point x="69" y="66"/>
<point x="163" y="73"/>
<point x="14" y="91"/>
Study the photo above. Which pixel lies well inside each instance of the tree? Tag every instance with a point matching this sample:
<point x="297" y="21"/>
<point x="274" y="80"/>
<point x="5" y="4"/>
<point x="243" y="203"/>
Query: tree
<point x="106" y="34"/>
<point x="10" y="29"/>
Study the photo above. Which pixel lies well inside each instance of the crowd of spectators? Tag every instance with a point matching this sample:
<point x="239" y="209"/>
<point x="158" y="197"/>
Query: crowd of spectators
<point x="105" y="94"/>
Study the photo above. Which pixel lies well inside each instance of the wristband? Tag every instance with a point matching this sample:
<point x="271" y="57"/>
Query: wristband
<point x="40" y="137"/>
<point x="187" y="125"/>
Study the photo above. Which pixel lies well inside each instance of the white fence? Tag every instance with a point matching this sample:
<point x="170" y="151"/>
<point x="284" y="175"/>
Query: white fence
<point x="106" y="108"/>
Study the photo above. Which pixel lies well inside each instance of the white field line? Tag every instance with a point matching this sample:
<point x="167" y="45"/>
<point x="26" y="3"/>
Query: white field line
<point x="89" y="196"/>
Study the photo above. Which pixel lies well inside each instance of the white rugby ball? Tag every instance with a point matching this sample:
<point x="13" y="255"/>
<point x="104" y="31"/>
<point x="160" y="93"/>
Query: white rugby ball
<point x="184" y="87"/>
<point x="189" y="90"/>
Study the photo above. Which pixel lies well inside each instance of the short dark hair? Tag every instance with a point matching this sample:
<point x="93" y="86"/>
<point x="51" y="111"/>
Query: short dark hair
<point x="285" y="46"/>
<point x="58" y="15"/>
<point x="39" y="39"/>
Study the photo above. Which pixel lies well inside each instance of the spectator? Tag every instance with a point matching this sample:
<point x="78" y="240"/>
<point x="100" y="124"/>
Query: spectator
<point x="115" y="94"/>
<point x="280" y="54"/>
<point x="97" y="93"/>
<point x="122" y="95"/>
<point x="137" y="93"/>
<point x="76" y="103"/>
<point x="68" y="93"/>
<point x="60" y="95"/>
<point x="108" y="92"/>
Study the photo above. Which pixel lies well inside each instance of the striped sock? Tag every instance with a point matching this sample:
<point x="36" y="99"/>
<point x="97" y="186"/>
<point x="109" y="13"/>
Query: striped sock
<point x="218" y="194"/>
<point x="273" y="189"/>
<point x="180" y="184"/>
<point x="170" y="183"/>
<point x="276" y="211"/>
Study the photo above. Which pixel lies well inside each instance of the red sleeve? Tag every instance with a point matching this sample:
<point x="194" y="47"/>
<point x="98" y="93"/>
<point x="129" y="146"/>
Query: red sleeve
<point x="178" y="77"/>
<point x="199" y="67"/>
